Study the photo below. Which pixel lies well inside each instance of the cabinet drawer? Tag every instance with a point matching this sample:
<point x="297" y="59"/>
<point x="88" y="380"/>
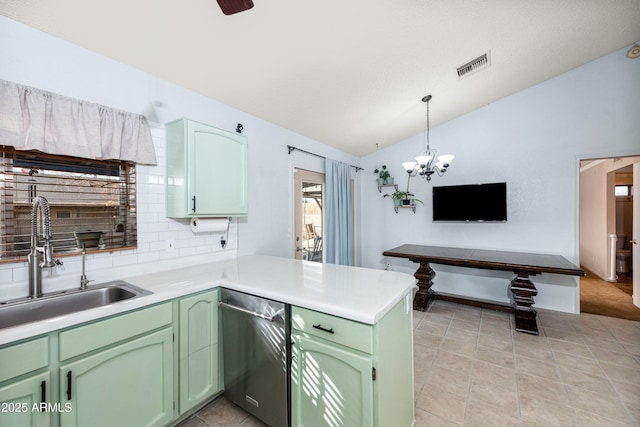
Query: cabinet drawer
<point x="349" y="333"/>
<point x="110" y="331"/>
<point x="22" y="358"/>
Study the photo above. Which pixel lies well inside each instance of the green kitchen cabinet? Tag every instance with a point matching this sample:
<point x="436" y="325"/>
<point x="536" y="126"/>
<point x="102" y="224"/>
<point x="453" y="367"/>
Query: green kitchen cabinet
<point x="129" y="384"/>
<point x="25" y="384"/>
<point x="21" y="402"/>
<point x="119" y="371"/>
<point x="199" y="357"/>
<point x="331" y="385"/>
<point x="207" y="171"/>
<point x="350" y="373"/>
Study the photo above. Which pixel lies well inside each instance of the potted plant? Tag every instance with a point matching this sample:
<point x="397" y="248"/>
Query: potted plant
<point x="403" y="198"/>
<point x="384" y="177"/>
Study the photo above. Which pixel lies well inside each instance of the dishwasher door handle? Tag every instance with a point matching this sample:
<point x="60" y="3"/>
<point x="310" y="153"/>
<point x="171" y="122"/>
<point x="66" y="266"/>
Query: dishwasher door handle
<point x="250" y="312"/>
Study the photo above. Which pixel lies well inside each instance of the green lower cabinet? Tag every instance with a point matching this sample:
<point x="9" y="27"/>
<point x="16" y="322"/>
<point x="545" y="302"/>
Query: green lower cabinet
<point x="121" y="371"/>
<point x="347" y="373"/>
<point x="330" y="385"/>
<point x="21" y="402"/>
<point x="127" y="385"/>
<point x="199" y="362"/>
<point x="25" y="384"/>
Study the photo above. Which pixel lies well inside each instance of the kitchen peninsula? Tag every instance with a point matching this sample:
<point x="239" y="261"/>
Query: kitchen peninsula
<point x="368" y="310"/>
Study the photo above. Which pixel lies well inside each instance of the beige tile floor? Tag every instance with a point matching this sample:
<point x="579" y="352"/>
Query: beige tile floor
<point x="473" y="369"/>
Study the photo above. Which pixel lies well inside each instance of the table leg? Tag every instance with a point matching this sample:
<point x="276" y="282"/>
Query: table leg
<point x="425" y="275"/>
<point x="523" y="291"/>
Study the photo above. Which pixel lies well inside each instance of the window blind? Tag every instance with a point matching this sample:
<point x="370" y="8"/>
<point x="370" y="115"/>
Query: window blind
<point x="92" y="203"/>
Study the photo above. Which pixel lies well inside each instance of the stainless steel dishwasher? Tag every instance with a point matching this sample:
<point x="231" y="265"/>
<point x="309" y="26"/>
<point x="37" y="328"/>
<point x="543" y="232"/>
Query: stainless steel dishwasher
<point x="256" y="349"/>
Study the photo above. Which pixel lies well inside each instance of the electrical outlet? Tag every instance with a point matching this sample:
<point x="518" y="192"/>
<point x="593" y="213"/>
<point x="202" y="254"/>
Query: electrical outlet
<point x="170" y="244"/>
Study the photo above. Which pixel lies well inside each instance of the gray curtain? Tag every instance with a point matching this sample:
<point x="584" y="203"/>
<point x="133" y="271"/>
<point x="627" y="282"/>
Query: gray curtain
<point x="35" y="120"/>
<point x="338" y="237"/>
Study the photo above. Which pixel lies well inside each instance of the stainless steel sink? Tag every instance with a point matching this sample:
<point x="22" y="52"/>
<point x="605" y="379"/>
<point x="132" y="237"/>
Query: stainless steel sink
<point x="14" y="313"/>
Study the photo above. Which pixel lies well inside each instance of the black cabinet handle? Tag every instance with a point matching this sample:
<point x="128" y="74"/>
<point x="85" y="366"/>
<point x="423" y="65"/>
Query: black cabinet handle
<point x="194" y="203"/>
<point x="43" y="391"/>
<point x="318" y="326"/>
<point x="69" y="385"/>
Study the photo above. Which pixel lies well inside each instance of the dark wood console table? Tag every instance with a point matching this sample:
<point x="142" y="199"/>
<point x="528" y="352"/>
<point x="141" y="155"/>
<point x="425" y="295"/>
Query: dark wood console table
<point x="522" y="264"/>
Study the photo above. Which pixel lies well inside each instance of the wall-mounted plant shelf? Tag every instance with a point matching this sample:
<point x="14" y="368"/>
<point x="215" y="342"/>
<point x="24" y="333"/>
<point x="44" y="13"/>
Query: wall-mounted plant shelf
<point x="395" y="186"/>
<point x="411" y="206"/>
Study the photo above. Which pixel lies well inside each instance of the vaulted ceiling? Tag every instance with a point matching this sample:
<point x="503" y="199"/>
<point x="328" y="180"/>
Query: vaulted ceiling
<point x="347" y="73"/>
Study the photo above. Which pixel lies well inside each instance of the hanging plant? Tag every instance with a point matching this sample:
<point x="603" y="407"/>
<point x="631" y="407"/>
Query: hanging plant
<point x="384" y="177"/>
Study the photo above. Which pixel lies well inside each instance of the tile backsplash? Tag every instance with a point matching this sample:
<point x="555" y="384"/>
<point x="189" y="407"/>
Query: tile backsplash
<point x="159" y="238"/>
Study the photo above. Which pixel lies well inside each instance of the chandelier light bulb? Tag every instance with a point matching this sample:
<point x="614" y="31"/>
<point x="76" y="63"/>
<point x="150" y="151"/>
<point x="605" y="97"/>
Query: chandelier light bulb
<point x="423" y="160"/>
<point x="446" y="158"/>
<point x="409" y="166"/>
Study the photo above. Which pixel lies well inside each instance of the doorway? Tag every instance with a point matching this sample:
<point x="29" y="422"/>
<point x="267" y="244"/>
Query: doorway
<point x="309" y="190"/>
<point x="609" y="228"/>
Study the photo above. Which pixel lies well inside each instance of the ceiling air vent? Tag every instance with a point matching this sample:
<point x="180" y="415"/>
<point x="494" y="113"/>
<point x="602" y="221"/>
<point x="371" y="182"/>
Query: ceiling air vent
<point x="480" y="63"/>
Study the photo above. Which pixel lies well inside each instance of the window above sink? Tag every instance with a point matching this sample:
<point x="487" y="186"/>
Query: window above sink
<point x="92" y="202"/>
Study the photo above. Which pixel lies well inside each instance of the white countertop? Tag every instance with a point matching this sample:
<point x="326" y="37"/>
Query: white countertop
<point x="360" y="294"/>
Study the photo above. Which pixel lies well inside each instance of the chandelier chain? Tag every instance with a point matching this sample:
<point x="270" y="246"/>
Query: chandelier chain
<point x="428" y="125"/>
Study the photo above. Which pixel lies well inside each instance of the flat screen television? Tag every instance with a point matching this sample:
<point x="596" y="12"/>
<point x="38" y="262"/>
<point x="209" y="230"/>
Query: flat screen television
<point x="470" y="203"/>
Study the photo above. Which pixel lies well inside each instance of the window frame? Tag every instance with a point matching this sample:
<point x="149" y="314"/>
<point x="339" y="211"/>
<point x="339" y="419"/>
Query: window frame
<point x="107" y="187"/>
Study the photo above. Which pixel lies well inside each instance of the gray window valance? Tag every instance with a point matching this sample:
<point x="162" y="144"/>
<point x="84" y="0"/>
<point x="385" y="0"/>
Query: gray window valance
<point x="36" y="120"/>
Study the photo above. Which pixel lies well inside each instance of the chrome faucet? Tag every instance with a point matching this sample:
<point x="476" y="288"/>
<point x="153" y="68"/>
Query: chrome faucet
<point x="40" y="257"/>
<point x="83" y="278"/>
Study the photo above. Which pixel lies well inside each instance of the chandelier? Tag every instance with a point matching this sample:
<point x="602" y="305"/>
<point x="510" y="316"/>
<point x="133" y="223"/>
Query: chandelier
<point x="427" y="163"/>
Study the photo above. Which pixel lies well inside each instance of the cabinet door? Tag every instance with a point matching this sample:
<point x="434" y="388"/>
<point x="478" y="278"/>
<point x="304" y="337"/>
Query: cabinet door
<point x="199" y="377"/>
<point x="127" y="385"/>
<point x="330" y="385"/>
<point x="18" y="400"/>
<point x="218" y="171"/>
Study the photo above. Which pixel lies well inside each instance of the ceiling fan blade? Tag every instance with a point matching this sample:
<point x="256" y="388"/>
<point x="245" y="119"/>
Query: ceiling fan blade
<point x="229" y="7"/>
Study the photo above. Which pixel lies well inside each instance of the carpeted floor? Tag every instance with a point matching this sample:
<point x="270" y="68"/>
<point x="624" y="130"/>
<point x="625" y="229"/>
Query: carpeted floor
<point x="598" y="296"/>
<point x="625" y="283"/>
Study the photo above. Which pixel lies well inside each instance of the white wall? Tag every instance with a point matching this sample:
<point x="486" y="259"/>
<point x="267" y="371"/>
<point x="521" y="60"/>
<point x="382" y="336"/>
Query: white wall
<point x="33" y="58"/>
<point x="533" y="140"/>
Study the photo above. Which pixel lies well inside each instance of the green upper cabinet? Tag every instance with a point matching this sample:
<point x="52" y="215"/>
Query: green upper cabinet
<point x="207" y="171"/>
